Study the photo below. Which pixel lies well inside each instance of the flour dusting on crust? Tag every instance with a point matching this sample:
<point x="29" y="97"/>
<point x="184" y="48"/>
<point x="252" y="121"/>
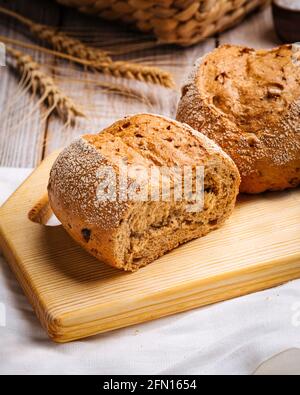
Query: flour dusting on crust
<point x="74" y="183"/>
<point x="267" y="146"/>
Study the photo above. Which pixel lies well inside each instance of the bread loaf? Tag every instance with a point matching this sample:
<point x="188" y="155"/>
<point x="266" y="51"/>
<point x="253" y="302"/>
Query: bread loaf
<point x="130" y="234"/>
<point x="248" y="102"/>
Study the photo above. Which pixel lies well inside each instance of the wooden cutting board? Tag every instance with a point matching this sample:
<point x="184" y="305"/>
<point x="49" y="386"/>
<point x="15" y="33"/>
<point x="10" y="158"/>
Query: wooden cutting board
<point x="76" y="296"/>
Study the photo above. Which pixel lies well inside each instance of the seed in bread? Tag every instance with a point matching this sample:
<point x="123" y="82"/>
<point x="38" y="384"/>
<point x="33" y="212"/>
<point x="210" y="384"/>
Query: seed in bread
<point x="130" y="234"/>
<point x="248" y="102"/>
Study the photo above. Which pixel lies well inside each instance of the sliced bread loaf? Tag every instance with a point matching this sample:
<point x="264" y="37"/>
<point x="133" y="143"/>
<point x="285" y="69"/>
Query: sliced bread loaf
<point x="130" y="234"/>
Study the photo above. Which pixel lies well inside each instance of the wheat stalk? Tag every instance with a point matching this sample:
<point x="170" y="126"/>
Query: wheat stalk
<point x="42" y="84"/>
<point x="135" y="71"/>
<point x="93" y="58"/>
<point x="128" y="70"/>
<point x="60" y="41"/>
<point x="117" y="45"/>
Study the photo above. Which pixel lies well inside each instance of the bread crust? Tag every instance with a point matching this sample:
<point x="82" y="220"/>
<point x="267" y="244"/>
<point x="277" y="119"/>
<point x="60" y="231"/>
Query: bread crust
<point x="248" y="102"/>
<point x="129" y="235"/>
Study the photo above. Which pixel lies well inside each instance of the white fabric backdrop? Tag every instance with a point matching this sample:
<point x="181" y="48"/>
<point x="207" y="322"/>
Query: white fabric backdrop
<point x="233" y="337"/>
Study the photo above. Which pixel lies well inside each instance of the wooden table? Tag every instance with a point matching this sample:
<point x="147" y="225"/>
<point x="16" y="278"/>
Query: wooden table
<point x="25" y="140"/>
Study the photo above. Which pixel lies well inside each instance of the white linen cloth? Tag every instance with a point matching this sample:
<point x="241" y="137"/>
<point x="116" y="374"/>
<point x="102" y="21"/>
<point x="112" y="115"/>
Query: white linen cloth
<point x="234" y="337"/>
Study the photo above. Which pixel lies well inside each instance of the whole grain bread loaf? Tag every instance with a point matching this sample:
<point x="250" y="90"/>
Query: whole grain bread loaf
<point x="130" y="234"/>
<point x="248" y="102"/>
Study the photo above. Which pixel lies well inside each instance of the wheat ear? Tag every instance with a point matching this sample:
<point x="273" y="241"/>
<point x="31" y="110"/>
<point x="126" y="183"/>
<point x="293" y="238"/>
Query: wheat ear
<point x="60" y="41"/>
<point x="135" y="71"/>
<point x="45" y="86"/>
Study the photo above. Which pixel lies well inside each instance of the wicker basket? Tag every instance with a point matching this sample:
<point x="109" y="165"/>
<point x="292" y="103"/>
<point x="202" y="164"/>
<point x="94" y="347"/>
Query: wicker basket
<point x="183" y="22"/>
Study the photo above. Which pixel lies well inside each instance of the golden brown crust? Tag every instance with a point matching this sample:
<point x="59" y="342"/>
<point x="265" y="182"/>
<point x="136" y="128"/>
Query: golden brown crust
<point x="130" y="235"/>
<point x="249" y="103"/>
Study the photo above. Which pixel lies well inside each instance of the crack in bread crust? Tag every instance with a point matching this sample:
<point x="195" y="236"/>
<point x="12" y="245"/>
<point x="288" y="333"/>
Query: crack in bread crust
<point x="248" y="102"/>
